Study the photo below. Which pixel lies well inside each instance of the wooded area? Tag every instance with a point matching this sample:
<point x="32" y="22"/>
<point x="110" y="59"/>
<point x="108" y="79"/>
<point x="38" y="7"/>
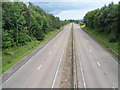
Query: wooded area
<point x="24" y="28"/>
<point x="105" y="20"/>
<point x="22" y="24"/>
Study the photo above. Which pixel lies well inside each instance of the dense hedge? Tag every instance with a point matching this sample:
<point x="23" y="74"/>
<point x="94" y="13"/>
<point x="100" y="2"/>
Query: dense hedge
<point x="105" y="20"/>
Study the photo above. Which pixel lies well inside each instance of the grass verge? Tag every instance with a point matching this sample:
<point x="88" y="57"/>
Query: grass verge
<point x="67" y="75"/>
<point x="13" y="55"/>
<point x="103" y="40"/>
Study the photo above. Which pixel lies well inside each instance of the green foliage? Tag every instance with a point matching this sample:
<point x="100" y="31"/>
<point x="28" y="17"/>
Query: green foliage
<point x="105" y="20"/>
<point x="22" y="24"/>
<point x="103" y="39"/>
<point x="81" y="23"/>
<point x="24" y="28"/>
<point x="12" y="55"/>
<point x="7" y="38"/>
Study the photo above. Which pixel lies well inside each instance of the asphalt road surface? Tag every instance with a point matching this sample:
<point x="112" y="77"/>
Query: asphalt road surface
<point x="43" y="69"/>
<point x="98" y="68"/>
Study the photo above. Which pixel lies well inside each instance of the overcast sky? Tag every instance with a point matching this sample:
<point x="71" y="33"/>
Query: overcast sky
<point x="70" y="9"/>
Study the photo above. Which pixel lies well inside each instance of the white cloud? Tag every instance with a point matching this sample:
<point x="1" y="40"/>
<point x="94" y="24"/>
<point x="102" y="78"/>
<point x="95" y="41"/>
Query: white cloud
<point x="73" y="14"/>
<point x="116" y="1"/>
<point x="72" y="10"/>
<point x="80" y="13"/>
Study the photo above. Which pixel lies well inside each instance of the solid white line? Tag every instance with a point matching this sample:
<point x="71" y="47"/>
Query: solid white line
<point x="110" y="55"/>
<point x="39" y="67"/>
<point x="58" y="66"/>
<point x="83" y="75"/>
<point x="84" y="83"/>
<point x="98" y="63"/>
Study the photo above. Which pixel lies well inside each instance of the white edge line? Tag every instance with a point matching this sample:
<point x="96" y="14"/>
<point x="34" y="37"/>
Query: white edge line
<point x="19" y="68"/>
<point x="58" y="67"/>
<point x="84" y="83"/>
<point x="109" y="54"/>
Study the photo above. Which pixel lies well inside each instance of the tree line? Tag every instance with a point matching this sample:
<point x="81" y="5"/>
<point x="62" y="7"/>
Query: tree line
<point x="105" y="20"/>
<point x="22" y="24"/>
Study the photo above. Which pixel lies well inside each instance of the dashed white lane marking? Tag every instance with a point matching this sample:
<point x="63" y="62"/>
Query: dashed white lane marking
<point x="114" y="88"/>
<point x="113" y="85"/>
<point x="90" y="50"/>
<point x="39" y="67"/>
<point x="19" y="69"/>
<point x="98" y="63"/>
<point x="50" y="52"/>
